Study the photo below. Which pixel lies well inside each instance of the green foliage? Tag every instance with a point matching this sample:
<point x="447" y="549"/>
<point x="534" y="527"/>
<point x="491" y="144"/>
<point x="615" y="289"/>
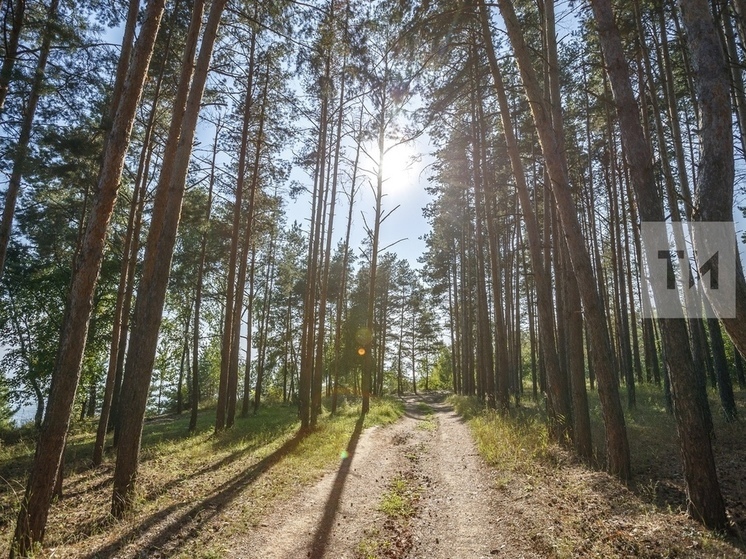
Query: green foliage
<point x="515" y="442"/>
<point x="441" y="375"/>
<point x="398" y="501"/>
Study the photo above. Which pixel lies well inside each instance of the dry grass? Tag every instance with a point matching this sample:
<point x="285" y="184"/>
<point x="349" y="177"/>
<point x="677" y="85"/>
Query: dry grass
<point x="194" y="491"/>
<point x="568" y="509"/>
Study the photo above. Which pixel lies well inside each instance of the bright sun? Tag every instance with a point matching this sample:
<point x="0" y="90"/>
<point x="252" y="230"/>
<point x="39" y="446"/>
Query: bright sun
<point x="401" y="167"/>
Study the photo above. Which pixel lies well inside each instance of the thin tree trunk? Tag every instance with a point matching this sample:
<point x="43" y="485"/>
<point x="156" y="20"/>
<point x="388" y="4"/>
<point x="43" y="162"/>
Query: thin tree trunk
<point x="377" y="218"/>
<point x="616" y="435"/>
<point x="229" y="322"/>
<point x="264" y="325"/>
<point x="249" y="327"/>
<point x="736" y="73"/>
<point x="22" y="146"/>
<point x="327" y="254"/>
<point x="342" y="297"/>
<point x="156" y="265"/>
<point x="195" y="391"/>
<point x="485" y="361"/>
<point x="15" y="11"/>
<point x="238" y="305"/>
<point x="724" y="382"/>
<point x="560" y="414"/>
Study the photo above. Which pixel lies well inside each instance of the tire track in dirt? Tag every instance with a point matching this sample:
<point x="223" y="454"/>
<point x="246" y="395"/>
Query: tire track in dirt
<point x="461" y="514"/>
<point x="330" y="518"/>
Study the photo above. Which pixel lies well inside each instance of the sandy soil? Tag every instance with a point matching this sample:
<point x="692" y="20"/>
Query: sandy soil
<point x="462" y="515"/>
<point x="456" y="514"/>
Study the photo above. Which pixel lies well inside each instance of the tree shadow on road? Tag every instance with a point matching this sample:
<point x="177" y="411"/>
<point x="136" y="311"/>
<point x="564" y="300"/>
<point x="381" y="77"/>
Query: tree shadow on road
<point x="324" y="529"/>
<point x="183" y="528"/>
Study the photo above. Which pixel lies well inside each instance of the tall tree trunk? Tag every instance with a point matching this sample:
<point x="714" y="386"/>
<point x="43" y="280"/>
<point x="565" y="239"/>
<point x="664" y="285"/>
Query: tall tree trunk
<point x="616" y="434"/>
<point x="264" y="324"/>
<point x="229" y="322"/>
<point x="308" y="335"/>
<point x="14" y="10"/>
<point x="342" y="296"/>
<point x="485" y="359"/>
<point x="195" y="391"/>
<point x="557" y="389"/>
<point x="32" y="516"/>
<point x="157" y="262"/>
<point x="736" y="73"/>
<point x="129" y="257"/>
<point x="249" y="327"/>
<point x="714" y="188"/>
<point x="368" y="361"/>
<point x="705" y="501"/>
<point x="22" y="146"/>
<point x="327" y="254"/>
<point x="238" y="305"/>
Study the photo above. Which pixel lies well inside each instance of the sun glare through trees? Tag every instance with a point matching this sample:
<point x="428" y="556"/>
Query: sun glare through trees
<point x="372" y="279"/>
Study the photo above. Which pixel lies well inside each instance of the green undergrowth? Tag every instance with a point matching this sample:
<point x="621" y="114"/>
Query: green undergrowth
<point x="592" y="513"/>
<point x="515" y="442"/>
<point x="399" y="500"/>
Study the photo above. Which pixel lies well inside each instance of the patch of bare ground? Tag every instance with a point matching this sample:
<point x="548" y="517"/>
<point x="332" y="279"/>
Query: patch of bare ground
<point x="332" y="517"/>
<point x="462" y="513"/>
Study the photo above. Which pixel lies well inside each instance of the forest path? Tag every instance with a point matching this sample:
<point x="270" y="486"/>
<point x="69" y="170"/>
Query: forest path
<point x="429" y="454"/>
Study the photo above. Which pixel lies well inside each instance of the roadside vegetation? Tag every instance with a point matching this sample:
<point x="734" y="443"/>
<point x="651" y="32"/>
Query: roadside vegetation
<point x="189" y="485"/>
<point x="570" y="508"/>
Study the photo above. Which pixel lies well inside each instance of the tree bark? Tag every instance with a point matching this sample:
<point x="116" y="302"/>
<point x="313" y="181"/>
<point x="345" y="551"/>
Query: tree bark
<point x="616" y="435"/>
<point x="22" y="146"/>
<point x="32" y="517"/>
<point x="238" y="305"/>
<point x="228" y="337"/>
<point x="195" y="391"/>
<point x="16" y="10"/>
<point x="713" y="200"/>
<point x="559" y="406"/>
<point x="156" y="265"/>
<point x="705" y="501"/>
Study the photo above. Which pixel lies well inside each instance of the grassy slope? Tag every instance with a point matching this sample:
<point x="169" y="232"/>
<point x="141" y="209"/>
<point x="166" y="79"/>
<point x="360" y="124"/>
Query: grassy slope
<point x="572" y="510"/>
<point x="194" y="490"/>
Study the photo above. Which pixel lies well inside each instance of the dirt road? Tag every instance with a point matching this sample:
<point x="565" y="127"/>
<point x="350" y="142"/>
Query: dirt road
<point x="428" y="458"/>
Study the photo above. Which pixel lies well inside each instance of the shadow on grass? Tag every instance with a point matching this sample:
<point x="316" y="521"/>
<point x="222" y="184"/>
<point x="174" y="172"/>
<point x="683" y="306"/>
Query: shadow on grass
<point x="184" y="527"/>
<point x="323" y="531"/>
<point x="657" y="475"/>
<point x="232" y="436"/>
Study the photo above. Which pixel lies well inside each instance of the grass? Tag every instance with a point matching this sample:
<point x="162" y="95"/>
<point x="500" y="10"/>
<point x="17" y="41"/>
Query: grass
<point x="430" y="423"/>
<point x="372" y="546"/>
<point x="517" y="442"/>
<point x="189" y="485"/>
<point x="399" y="500"/>
<point x="592" y="514"/>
